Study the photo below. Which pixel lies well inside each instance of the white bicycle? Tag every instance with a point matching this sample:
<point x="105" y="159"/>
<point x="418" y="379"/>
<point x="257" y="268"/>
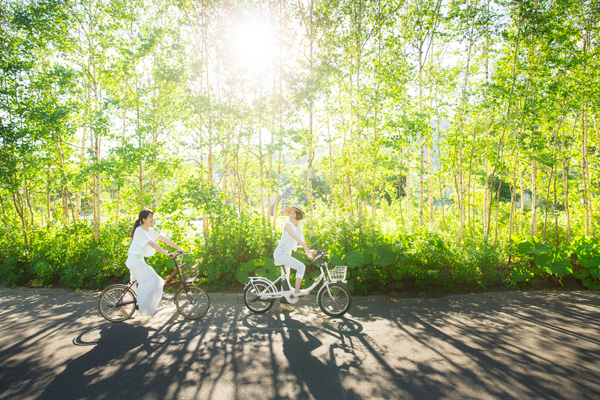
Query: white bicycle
<point x="260" y="293"/>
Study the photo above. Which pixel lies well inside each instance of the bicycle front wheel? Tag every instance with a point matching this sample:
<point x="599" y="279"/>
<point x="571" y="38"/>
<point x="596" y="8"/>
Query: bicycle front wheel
<point x="117" y="303"/>
<point x="194" y="304"/>
<point x="334" y="302"/>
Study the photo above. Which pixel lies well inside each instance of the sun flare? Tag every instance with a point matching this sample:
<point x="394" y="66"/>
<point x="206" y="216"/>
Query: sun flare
<point x="253" y="46"/>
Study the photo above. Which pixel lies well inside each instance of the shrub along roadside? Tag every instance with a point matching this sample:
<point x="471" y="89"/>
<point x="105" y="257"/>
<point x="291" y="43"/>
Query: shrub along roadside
<point x="242" y="246"/>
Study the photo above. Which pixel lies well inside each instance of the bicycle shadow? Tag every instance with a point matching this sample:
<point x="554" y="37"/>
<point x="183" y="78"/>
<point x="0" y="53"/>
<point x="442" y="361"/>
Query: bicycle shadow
<point x="95" y="371"/>
<point x="309" y="370"/>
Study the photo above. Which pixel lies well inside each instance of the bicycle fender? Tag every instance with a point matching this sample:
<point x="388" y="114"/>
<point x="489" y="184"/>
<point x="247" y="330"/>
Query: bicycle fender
<point x="324" y="287"/>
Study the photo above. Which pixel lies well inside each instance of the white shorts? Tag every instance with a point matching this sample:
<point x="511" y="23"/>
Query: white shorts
<point x="284" y="257"/>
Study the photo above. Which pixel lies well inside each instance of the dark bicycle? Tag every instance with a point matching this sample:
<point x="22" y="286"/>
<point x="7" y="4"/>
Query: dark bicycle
<point x="118" y="302"/>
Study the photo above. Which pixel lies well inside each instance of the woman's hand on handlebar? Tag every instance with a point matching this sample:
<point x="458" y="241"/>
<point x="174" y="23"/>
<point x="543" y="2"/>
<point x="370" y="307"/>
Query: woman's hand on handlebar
<point x="311" y="254"/>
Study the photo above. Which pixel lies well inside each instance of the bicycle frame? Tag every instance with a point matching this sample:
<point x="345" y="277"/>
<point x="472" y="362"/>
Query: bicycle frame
<point x="171" y="280"/>
<point x="272" y="293"/>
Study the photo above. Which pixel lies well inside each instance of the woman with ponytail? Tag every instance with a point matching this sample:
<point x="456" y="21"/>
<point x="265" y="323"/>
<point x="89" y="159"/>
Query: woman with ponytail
<point x="143" y="244"/>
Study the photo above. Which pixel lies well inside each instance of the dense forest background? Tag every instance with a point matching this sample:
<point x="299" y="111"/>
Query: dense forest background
<point x="433" y="144"/>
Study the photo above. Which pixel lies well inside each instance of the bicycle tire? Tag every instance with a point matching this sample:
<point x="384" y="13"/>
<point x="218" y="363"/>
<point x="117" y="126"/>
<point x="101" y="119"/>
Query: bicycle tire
<point x="108" y="307"/>
<point x="251" y="297"/>
<point x="336" y="301"/>
<point x="195" y="308"/>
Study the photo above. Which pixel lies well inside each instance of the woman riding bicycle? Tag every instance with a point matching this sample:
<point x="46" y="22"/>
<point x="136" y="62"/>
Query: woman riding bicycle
<point x="292" y="237"/>
<point x="143" y="244"/>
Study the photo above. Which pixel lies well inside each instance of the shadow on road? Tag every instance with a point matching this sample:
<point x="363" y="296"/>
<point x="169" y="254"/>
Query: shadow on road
<point x="497" y="345"/>
<point x="95" y="371"/>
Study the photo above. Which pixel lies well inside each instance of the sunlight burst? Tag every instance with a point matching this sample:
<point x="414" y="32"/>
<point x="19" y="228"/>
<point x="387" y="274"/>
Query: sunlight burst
<point x="253" y="46"/>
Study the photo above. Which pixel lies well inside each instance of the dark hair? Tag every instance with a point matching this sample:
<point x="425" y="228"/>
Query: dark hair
<point x="143" y="215"/>
<point x="299" y="215"/>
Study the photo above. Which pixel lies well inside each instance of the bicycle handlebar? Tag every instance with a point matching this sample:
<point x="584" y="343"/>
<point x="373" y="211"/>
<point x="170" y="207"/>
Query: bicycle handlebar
<point x="321" y="254"/>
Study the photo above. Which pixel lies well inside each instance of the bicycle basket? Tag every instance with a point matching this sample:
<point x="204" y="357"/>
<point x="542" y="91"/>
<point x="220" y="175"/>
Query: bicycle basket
<point x="337" y="274"/>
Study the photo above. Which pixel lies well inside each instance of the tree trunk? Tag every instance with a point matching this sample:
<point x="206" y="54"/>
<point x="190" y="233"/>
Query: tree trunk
<point x="534" y="198"/>
<point x="565" y="170"/>
<point x="522" y="215"/>
<point x="513" y="196"/>
<point x="547" y="202"/>
<point x="497" y="213"/>
<point x="584" y="172"/>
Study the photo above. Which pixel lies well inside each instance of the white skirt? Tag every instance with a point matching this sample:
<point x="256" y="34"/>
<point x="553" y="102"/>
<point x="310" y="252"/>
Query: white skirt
<point x="150" y="284"/>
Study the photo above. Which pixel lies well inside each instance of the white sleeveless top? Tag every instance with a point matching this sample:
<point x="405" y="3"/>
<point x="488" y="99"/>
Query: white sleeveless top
<point x="139" y="245"/>
<point x="287" y="242"/>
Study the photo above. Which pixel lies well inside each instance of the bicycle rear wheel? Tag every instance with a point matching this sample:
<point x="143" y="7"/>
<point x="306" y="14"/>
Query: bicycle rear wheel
<point x="194" y="304"/>
<point x="252" y="297"/>
<point x="336" y="301"/>
<point x="117" y="303"/>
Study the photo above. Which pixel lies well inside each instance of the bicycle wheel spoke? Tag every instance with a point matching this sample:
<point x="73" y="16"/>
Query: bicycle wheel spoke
<point x="334" y="300"/>
<point x="117" y="303"/>
<point x="193" y="304"/>
<point x="253" y="300"/>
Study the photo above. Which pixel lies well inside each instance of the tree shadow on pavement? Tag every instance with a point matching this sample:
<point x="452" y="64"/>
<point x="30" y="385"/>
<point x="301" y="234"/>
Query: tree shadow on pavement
<point x="496" y="346"/>
<point x="95" y="371"/>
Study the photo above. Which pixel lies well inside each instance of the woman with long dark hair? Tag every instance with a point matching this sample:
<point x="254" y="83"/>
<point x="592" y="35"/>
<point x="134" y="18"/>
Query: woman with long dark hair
<point x="143" y="244"/>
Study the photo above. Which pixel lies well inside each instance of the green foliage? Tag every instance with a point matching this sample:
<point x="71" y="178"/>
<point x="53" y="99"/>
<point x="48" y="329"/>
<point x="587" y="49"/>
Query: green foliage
<point x="236" y="245"/>
<point x="69" y="256"/>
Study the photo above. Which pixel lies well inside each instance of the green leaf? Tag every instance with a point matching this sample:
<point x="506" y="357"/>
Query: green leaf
<point x="581" y="274"/>
<point x="590" y="262"/>
<point x="354" y="259"/>
<point x="595" y="271"/>
<point x="244" y="270"/>
<point x="561" y="268"/>
<point x="524" y="247"/>
<point x="542" y="260"/>
<point x="520" y="274"/>
<point x="384" y="256"/>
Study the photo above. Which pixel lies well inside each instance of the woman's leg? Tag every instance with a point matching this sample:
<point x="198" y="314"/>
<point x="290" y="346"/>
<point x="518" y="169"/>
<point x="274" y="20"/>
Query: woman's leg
<point x="290" y="262"/>
<point x="150" y="285"/>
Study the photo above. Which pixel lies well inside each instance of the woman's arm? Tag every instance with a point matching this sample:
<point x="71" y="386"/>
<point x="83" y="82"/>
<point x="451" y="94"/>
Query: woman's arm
<point x="301" y="242"/>
<point x="169" y="242"/>
<point x="159" y="249"/>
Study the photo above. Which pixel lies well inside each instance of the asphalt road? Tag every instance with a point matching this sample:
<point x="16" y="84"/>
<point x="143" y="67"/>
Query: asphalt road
<point x="500" y="345"/>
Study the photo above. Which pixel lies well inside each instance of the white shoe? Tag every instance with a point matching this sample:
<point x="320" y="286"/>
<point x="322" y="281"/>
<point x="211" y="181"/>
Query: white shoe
<point x="285" y="307"/>
<point x="159" y="309"/>
<point x="301" y="293"/>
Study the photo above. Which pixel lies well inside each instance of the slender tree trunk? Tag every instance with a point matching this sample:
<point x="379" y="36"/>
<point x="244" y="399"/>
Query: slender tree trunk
<point x="557" y="236"/>
<point x="4" y="209"/>
<point x="20" y="209"/>
<point x="565" y="170"/>
<point x="534" y="228"/>
<point x="469" y="220"/>
<point x="440" y="174"/>
<point x="48" y="195"/>
<point x="497" y="213"/>
<point x="522" y="215"/>
<point x="330" y="148"/>
<point x="547" y="202"/>
<point x="584" y="172"/>
<point x="77" y="215"/>
<point x="261" y="167"/>
<point x="486" y="185"/>
<point x="408" y="194"/>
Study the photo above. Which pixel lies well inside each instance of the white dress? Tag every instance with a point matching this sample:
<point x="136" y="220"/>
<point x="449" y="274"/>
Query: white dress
<point x="150" y="284"/>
